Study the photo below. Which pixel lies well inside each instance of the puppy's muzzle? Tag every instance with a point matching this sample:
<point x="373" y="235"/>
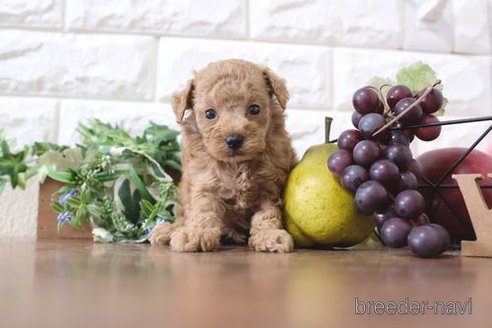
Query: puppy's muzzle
<point x="234" y="141"/>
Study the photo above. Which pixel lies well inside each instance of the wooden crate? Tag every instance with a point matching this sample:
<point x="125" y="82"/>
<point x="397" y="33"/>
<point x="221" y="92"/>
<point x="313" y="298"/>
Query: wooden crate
<point x="47" y="222"/>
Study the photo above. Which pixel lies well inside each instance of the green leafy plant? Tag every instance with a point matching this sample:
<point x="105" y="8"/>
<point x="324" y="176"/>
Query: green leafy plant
<point x="112" y="180"/>
<point x="13" y="165"/>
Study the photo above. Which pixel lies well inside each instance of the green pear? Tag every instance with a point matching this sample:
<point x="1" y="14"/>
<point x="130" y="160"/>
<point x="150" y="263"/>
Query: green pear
<point x="317" y="209"/>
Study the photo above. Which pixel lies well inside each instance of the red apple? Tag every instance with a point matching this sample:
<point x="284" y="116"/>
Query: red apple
<point x="454" y="218"/>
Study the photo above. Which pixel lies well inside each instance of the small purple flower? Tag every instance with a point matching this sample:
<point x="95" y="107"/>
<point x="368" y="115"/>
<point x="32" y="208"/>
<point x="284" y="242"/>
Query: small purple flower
<point x="149" y="229"/>
<point x="66" y="196"/>
<point x="64" y="217"/>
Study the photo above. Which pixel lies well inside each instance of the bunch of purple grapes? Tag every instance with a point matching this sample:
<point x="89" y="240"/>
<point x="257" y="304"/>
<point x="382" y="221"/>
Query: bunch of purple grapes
<point x="375" y="163"/>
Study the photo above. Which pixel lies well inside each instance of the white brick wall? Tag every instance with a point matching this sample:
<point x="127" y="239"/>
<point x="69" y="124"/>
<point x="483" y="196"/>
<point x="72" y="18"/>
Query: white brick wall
<point x="63" y="61"/>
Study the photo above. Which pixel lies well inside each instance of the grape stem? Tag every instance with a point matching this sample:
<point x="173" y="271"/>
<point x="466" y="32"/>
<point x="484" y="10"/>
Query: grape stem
<point x="328" y="121"/>
<point x="380" y="96"/>
<point x="387" y="108"/>
<point x="412" y="105"/>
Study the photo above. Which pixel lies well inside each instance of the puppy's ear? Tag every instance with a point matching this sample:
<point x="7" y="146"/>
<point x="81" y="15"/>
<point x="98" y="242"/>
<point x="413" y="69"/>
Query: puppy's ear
<point x="277" y="86"/>
<point x="183" y="100"/>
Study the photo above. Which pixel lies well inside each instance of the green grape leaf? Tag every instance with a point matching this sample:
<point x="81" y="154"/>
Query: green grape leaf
<point x="378" y="81"/>
<point x="381" y="83"/>
<point x="417" y="76"/>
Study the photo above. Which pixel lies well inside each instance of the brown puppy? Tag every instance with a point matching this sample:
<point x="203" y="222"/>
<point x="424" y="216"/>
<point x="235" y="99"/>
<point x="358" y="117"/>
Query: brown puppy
<point x="236" y="158"/>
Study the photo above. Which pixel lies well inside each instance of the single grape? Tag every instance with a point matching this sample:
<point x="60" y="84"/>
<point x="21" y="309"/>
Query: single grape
<point x="416" y="168"/>
<point x="366" y="100"/>
<point x="366" y="152"/>
<point x="408" y="132"/>
<point x="356" y="116"/>
<point x="425" y="241"/>
<point x="432" y="102"/>
<point x="381" y="217"/>
<point x="348" y="139"/>
<point x="412" y="116"/>
<point x="385" y="172"/>
<point x="407" y="181"/>
<point x="399" y="137"/>
<point x="397" y="93"/>
<point x="339" y="160"/>
<point x="353" y="176"/>
<point x="370" y="123"/>
<point x="370" y="197"/>
<point x="409" y="204"/>
<point x="445" y="236"/>
<point x="399" y="154"/>
<point x="421" y="219"/>
<point x="428" y="133"/>
<point x="394" y="232"/>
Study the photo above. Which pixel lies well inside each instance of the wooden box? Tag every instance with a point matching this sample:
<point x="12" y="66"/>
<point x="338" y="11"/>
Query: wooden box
<point x="47" y="221"/>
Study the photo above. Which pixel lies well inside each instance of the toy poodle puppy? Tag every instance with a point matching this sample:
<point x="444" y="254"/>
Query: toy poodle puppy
<point x="236" y="159"/>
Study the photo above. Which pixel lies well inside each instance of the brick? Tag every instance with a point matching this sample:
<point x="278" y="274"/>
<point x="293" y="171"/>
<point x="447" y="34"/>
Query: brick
<point x="306" y="68"/>
<point x="471" y="27"/>
<point x="210" y="18"/>
<point x="353" y="68"/>
<point x="132" y="116"/>
<point x="31" y="13"/>
<point x="428" y="26"/>
<point x="490" y="17"/>
<point x="29" y="119"/>
<point x="371" y="23"/>
<point x="67" y="65"/>
<point x="19" y="210"/>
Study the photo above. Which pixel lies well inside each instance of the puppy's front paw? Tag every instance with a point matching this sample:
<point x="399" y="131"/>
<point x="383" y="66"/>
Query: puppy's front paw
<point x="272" y="240"/>
<point x="161" y="234"/>
<point x="187" y="239"/>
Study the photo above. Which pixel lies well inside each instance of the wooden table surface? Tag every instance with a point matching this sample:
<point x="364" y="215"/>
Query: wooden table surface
<point x="74" y="283"/>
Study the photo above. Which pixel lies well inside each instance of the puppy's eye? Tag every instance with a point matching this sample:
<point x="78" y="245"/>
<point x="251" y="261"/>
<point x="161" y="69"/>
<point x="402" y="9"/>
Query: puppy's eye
<point x="254" y="110"/>
<point x="210" y="114"/>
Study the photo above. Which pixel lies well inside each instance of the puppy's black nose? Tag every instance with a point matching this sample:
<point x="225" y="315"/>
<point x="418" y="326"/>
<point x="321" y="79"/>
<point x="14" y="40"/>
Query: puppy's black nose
<point x="234" y="141"/>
